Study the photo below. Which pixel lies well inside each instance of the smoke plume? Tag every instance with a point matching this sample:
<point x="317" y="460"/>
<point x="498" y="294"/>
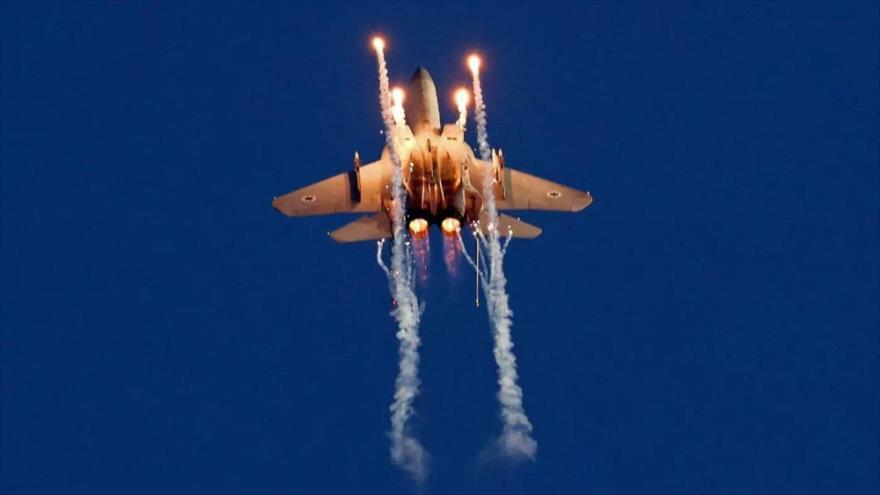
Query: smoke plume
<point x="516" y="438"/>
<point x="406" y="451"/>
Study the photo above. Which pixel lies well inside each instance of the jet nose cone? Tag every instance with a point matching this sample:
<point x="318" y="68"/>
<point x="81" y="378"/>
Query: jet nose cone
<point x="421" y="102"/>
<point x="421" y="74"/>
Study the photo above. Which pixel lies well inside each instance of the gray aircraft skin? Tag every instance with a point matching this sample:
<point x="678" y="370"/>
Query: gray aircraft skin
<point x="443" y="180"/>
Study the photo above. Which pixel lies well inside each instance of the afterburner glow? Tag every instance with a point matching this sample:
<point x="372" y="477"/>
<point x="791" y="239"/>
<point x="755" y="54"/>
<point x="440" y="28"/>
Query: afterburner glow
<point x="450" y="226"/>
<point x="418" y="226"/>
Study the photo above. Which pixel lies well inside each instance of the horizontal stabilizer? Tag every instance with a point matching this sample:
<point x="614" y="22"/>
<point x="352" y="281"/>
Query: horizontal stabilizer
<point x="511" y="226"/>
<point x="370" y="228"/>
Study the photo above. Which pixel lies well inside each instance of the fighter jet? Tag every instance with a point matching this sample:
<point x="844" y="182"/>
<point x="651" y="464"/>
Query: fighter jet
<point x="443" y="180"/>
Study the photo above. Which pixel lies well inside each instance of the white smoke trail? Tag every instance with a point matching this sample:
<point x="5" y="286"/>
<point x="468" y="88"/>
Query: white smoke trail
<point x="481" y="274"/>
<point x="507" y="242"/>
<point x="516" y="440"/>
<point x="406" y="451"/>
<point x="479" y="109"/>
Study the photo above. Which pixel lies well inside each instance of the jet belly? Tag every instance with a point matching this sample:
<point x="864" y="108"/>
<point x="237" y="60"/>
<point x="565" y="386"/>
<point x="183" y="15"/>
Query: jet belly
<point x="425" y="183"/>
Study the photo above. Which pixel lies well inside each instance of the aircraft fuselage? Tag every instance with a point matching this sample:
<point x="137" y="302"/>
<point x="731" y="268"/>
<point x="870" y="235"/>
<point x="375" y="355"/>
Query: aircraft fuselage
<point x="437" y="163"/>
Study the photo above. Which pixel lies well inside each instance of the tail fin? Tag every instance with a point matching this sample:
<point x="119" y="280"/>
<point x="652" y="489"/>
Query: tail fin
<point x="515" y="227"/>
<point x="370" y="228"/>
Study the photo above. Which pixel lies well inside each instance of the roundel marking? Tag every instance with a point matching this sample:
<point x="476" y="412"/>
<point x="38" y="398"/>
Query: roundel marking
<point x="554" y="194"/>
<point x="308" y="198"/>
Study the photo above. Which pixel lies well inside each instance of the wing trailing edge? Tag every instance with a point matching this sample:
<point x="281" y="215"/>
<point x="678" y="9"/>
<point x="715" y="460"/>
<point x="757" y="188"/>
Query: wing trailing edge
<point x="511" y="226"/>
<point x="371" y="228"/>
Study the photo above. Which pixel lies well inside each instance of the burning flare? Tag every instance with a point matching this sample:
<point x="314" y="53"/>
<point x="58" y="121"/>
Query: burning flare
<point x="397" y="95"/>
<point x="406" y="451"/>
<point x="397" y="112"/>
<point x="473" y="61"/>
<point x="461" y="100"/>
<point x="516" y="440"/>
<point x="479" y="109"/>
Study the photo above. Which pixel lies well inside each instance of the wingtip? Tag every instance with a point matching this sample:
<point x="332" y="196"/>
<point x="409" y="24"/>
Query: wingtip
<point x="335" y="236"/>
<point x="533" y="235"/>
<point x="277" y="206"/>
<point x="585" y="202"/>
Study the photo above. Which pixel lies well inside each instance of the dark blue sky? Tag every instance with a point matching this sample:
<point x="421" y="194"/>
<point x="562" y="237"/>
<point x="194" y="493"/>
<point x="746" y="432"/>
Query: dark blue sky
<point x="708" y="325"/>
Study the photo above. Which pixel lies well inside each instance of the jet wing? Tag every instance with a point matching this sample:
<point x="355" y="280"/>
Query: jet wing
<point x="351" y="192"/>
<point x="370" y="228"/>
<point x="522" y="191"/>
<point x="513" y="227"/>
